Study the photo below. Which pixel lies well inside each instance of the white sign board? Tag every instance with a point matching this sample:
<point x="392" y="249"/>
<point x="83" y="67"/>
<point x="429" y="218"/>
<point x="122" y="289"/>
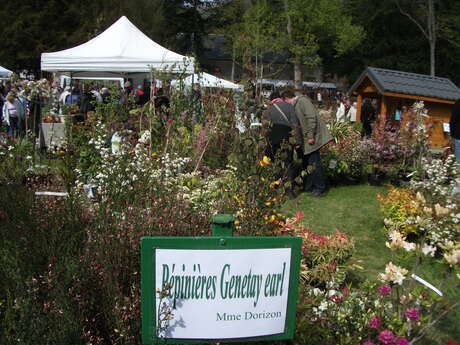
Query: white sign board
<point x="223" y="294"/>
<point x="446" y="127"/>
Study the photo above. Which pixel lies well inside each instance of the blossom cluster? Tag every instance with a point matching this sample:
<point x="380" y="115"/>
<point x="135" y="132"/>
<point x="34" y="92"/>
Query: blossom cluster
<point x="426" y="217"/>
<point x="369" y="315"/>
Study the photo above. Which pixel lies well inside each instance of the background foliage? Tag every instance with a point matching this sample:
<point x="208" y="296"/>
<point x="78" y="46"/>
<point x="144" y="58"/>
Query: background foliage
<point x="387" y="38"/>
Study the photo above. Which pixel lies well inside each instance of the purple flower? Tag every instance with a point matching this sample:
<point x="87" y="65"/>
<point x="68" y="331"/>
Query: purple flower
<point x="384" y="290"/>
<point x="401" y="341"/>
<point x="374" y="322"/>
<point x="386" y="337"/>
<point x="368" y="343"/>
<point x="412" y="313"/>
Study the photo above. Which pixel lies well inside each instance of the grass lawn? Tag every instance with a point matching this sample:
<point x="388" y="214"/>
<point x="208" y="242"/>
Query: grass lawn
<point x="354" y="210"/>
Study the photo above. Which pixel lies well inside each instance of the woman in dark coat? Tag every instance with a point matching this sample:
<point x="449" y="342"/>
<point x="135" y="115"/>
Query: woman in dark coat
<point x="283" y="124"/>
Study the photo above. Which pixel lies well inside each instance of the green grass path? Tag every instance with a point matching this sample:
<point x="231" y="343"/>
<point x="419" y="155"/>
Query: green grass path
<point x="353" y="210"/>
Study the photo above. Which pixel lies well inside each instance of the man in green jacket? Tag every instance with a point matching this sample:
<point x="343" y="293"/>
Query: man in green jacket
<point x="315" y="135"/>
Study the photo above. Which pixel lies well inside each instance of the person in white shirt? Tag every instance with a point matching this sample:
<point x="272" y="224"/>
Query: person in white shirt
<point x="340" y="115"/>
<point x="352" y="112"/>
<point x="62" y="98"/>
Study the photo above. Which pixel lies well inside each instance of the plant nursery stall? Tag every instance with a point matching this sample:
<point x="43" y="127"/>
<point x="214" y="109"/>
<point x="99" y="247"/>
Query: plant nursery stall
<point x="397" y="90"/>
<point x="121" y="51"/>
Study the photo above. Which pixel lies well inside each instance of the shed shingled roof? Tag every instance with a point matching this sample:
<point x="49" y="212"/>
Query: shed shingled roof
<point x="387" y="80"/>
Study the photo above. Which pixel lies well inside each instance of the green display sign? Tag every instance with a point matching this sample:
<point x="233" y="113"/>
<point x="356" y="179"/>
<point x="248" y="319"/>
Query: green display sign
<point x="207" y="289"/>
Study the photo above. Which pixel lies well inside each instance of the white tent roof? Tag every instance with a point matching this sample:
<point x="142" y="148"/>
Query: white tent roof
<point x="120" y="50"/>
<point x="318" y="84"/>
<point x="208" y="80"/>
<point x="4" y="72"/>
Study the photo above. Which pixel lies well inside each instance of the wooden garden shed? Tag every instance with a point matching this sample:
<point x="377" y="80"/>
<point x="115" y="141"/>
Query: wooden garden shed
<point x="395" y="89"/>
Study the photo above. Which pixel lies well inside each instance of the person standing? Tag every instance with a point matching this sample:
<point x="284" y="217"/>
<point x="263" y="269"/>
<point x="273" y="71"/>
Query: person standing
<point x="340" y="114"/>
<point x="315" y="135"/>
<point x="283" y="124"/>
<point x="352" y="112"/>
<point x="319" y="97"/>
<point x="455" y="128"/>
<point x="367" y="117"/>
<point x="13" y="112"/>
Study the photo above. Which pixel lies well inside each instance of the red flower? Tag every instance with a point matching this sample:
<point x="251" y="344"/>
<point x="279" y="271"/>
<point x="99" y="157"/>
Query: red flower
<point x="299" y="215"/>
<point x="374" y="322"/>
<point x="401" y="341"/>
<point x="386" y="337"/>
<point x="451" y="342"/>
<point x="384" y="290"/>
<point x="412" y="313"/>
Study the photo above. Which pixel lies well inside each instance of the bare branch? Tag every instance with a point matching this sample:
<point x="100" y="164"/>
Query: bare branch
<point x="422" y="29"/>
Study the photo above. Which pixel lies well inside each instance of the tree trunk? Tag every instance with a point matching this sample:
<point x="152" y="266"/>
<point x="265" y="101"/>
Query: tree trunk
<point x="297" y="65"/>
<point x="429" y="31"/>
<point x="233" y="64"/>
<point x="297" y="75"/>
<point x="432" y="36"/>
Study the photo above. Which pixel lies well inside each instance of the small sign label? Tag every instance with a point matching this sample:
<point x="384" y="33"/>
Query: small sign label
<point x="222" y="294"/>
<point x="446" y="127"/>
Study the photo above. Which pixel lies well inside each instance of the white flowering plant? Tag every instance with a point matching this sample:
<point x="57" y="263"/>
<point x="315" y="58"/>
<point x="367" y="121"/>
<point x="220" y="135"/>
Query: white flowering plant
<point x="425" y="218"/>
<point x="16" y="158"/>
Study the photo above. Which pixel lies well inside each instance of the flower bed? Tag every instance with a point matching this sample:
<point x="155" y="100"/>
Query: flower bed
<point x="164" y="174"/>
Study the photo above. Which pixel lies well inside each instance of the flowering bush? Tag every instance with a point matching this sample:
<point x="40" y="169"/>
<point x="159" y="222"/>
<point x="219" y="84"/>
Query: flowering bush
<point x="370" y="314"/>
<point x="346" y="158"/>
<point x="323" y="257"/>
<point x="426" y="218"/>
<point x="397" y="207"/>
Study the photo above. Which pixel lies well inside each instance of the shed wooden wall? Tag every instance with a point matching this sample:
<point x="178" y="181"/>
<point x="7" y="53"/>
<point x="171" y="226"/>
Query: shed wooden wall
<point x="439" y="113"/>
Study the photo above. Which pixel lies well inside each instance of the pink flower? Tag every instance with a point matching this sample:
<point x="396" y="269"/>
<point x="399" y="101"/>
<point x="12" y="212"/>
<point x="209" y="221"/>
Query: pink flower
<point x="401" y="341"/>
<point x="368" y="343"/>
<point x="345" y="291"/>
<point x="384" y="290"/>
<point x="374" y="322"/>
<point x="386" y="337"/>
<point x="412" y="313"/>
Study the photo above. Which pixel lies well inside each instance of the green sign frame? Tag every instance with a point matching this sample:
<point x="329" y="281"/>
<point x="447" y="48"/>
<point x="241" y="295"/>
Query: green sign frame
<point x="148" y="293"/>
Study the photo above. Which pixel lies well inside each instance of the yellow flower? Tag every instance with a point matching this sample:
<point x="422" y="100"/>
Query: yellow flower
<point x="61" y="152"/>
<point x="275" y="183"/>
<point x="265" y="161"/>
<point x="116" y="330"/>
<point x="267" y="203"/>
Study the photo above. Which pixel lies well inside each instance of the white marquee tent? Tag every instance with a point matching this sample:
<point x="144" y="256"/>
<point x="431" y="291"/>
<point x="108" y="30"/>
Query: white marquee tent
<point x="208" y="80"/>
<point x="5" y="73"/>
<point x="121" y="50"/>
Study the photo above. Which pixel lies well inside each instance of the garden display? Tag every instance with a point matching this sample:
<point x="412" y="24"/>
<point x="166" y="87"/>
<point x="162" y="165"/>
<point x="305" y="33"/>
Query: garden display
<point x="70" y="265"/>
